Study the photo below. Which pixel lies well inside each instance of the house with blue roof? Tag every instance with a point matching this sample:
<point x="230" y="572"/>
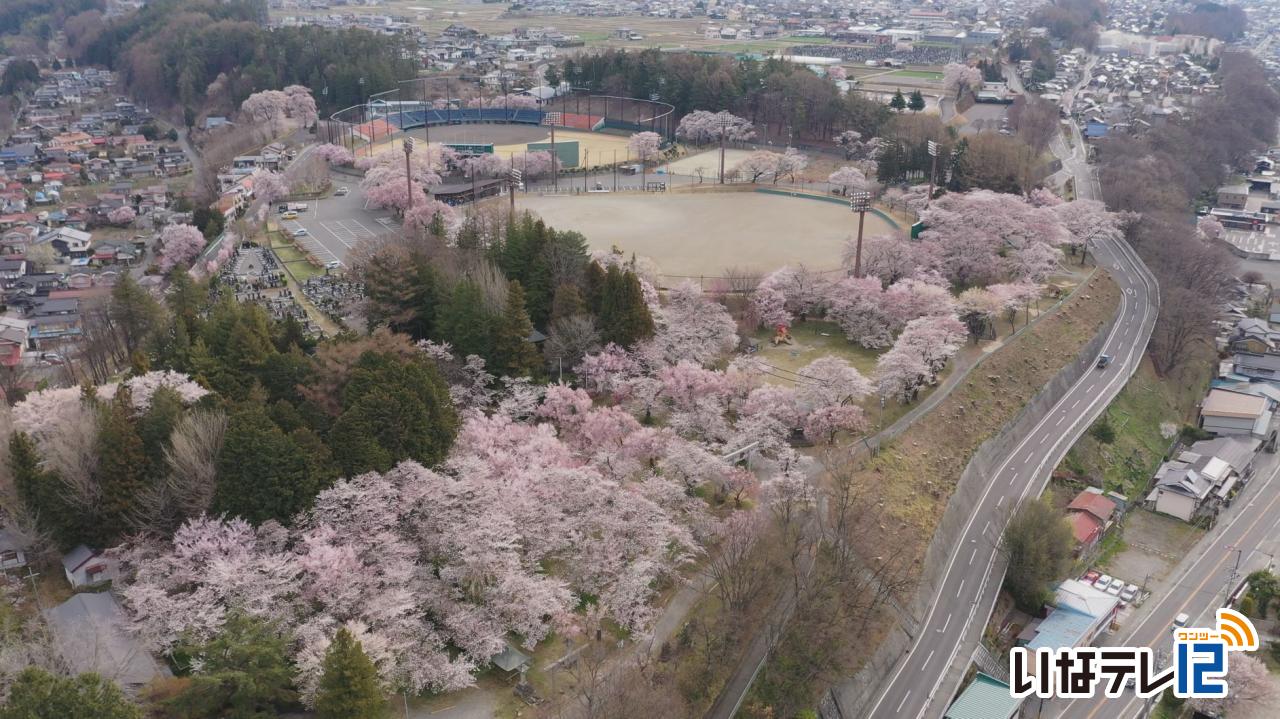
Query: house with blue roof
<point x="985" y="698"/>
<point x="1080" y="613"/>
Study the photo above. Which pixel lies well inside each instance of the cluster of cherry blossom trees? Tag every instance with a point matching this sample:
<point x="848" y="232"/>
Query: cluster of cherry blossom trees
<point x="701" y="127"/>
<point x="774" y="165"/>
<point x="271" y="108"/>
<point x="548" y="496"/>
<point x="504" y="102"/>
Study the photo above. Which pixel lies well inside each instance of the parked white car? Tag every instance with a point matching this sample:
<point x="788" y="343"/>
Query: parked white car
<point x="1103" y="582"/>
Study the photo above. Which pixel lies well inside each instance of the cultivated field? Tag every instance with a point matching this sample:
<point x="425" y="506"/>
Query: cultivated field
<point x="704" y="234"/>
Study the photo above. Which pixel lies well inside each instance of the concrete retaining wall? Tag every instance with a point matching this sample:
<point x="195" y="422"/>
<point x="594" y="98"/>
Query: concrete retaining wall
<point x="853" y="697"/>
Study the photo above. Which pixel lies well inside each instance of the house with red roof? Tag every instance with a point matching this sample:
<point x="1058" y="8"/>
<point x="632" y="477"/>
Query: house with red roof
<point x="1090" y="514"/>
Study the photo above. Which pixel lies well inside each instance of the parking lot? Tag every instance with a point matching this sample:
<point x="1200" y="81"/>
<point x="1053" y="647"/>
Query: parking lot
<point x="334" y="225"/>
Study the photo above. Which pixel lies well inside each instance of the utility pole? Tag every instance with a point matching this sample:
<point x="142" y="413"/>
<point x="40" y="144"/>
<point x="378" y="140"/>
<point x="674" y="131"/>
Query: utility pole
<point x="585" y="174"/>
<point x="933" y="169"/>
<point x="859" y="202"/>
<point x="615" y="170"/>
<point x="408" y="174"/>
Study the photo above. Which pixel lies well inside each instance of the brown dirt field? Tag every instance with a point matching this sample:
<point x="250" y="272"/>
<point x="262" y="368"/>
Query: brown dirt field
<point x="919" y="469"/>
<point x="703" y="234"/>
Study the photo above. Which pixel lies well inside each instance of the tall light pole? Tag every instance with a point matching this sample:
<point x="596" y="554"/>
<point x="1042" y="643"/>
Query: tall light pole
<point x="859" y="202"/>
<point x="553" y="119"/>
<point x="723" y="122"/>
<point x="408" y="174"/>
<point x="515" y="178"/>
<point x="366" y="113"/>
<point x="933" y="169"/>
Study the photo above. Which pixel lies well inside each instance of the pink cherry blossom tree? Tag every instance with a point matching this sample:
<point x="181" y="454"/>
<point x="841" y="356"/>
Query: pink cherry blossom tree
<point x="858" y="305"/>
<point x="828" y="382"/>
<point x="692" y="327"/>
<point x="822" y="425"/>
<point x="1210" y="229"/>
<point x="959" y="78"/>
<point x="758" y="164"/>
<point x="300" y="105"/>
<point x="334" y="154"/>
<point x="123" y="215"/>
<point x="179" y="245"/>
<point x="701" y="127"/>
<point x="270" y="186"/>
<point x="1089" y="221"/>
<point x="644" y="145"/>
<point x="848" y="179"/>
<point x="266" y="108"/>
<point x="886" y="257"/>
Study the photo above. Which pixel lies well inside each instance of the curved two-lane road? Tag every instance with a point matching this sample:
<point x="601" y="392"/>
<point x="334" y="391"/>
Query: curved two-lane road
<point x="923" y="681"/>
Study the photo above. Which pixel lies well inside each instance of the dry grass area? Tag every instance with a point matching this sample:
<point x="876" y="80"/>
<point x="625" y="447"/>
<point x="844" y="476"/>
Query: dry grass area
<point x="919" y="469"/>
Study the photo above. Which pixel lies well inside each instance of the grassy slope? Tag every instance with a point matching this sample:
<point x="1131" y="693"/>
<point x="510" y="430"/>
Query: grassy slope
<point x="919" y="470"/>
<point x="915" y="475"/>
<point x="1146" y="402"/>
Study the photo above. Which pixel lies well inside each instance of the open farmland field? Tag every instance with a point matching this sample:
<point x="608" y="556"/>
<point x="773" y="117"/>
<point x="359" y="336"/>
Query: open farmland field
<point x="490" y="18"/>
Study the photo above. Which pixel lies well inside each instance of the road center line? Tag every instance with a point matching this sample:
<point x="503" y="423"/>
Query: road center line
<point x="904" y="701"/>
<point x="971" y="556"/>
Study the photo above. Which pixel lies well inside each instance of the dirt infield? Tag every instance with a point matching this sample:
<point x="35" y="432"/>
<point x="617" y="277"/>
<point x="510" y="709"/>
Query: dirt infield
<point x="704" y="234"/>
<point x="709" y="162"/>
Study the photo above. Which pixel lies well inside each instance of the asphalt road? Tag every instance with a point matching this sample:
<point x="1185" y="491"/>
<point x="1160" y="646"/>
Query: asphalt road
<point x="966" y="594"/>
<point x="925" y="679"/>
<point x="1247" y="534"/>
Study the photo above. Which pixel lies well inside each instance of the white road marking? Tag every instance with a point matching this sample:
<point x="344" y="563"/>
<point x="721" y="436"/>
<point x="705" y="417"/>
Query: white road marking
<point x="944" y="629"/>
<point x="971" y="556"/>
<point x="904" y="701"/>
<point x="960" y="591"/>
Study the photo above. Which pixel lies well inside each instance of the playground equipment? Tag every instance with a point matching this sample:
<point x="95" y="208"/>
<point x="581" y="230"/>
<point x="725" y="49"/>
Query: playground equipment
<point x="782" y="336"/>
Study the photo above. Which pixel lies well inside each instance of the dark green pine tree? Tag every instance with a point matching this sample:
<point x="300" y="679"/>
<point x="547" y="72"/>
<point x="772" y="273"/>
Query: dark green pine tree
<point x="393" y="410"/>
<point x="593" y="287"/>
<point x="245" y="673"/>
<point x="624" y="316"/>
<point x="898" y="103"/>
<point x="262" y="474"/>
<point x="37" y="694"/>
<point x="915" y="103"/>
<point x="514" y="354"/>
<point x="43" y="496"/>
<point x="349" y="687"/>
<point x="567" y="303"/>
<point x="463" y="321"/>
<point x="122" y="465"/>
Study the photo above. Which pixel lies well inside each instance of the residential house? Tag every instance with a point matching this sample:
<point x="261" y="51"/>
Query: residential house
<point x="1204" y="478"/>
<point x="1255" y="366"/>
<point x="985" y="698"/>
<point x="1227" y="412"/>
<point x="89" y="630"/>
<point x="85" y="567"/>
<point x="53" y="321"/>
<point x="1079" y="614"/>
<point x="1253" y="334"/>
<point x="69" y="242"/>
<point x="1090" y="516"/>
<point x="13" y="551"/>
<point x="14" y="335"/>
<point x="1233" y="196"/>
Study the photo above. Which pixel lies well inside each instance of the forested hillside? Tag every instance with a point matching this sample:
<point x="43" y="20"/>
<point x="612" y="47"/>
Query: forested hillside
<point x="214" y="54"/>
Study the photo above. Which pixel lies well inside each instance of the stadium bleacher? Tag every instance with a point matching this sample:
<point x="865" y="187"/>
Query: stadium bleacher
<point x="418" y="118"/>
